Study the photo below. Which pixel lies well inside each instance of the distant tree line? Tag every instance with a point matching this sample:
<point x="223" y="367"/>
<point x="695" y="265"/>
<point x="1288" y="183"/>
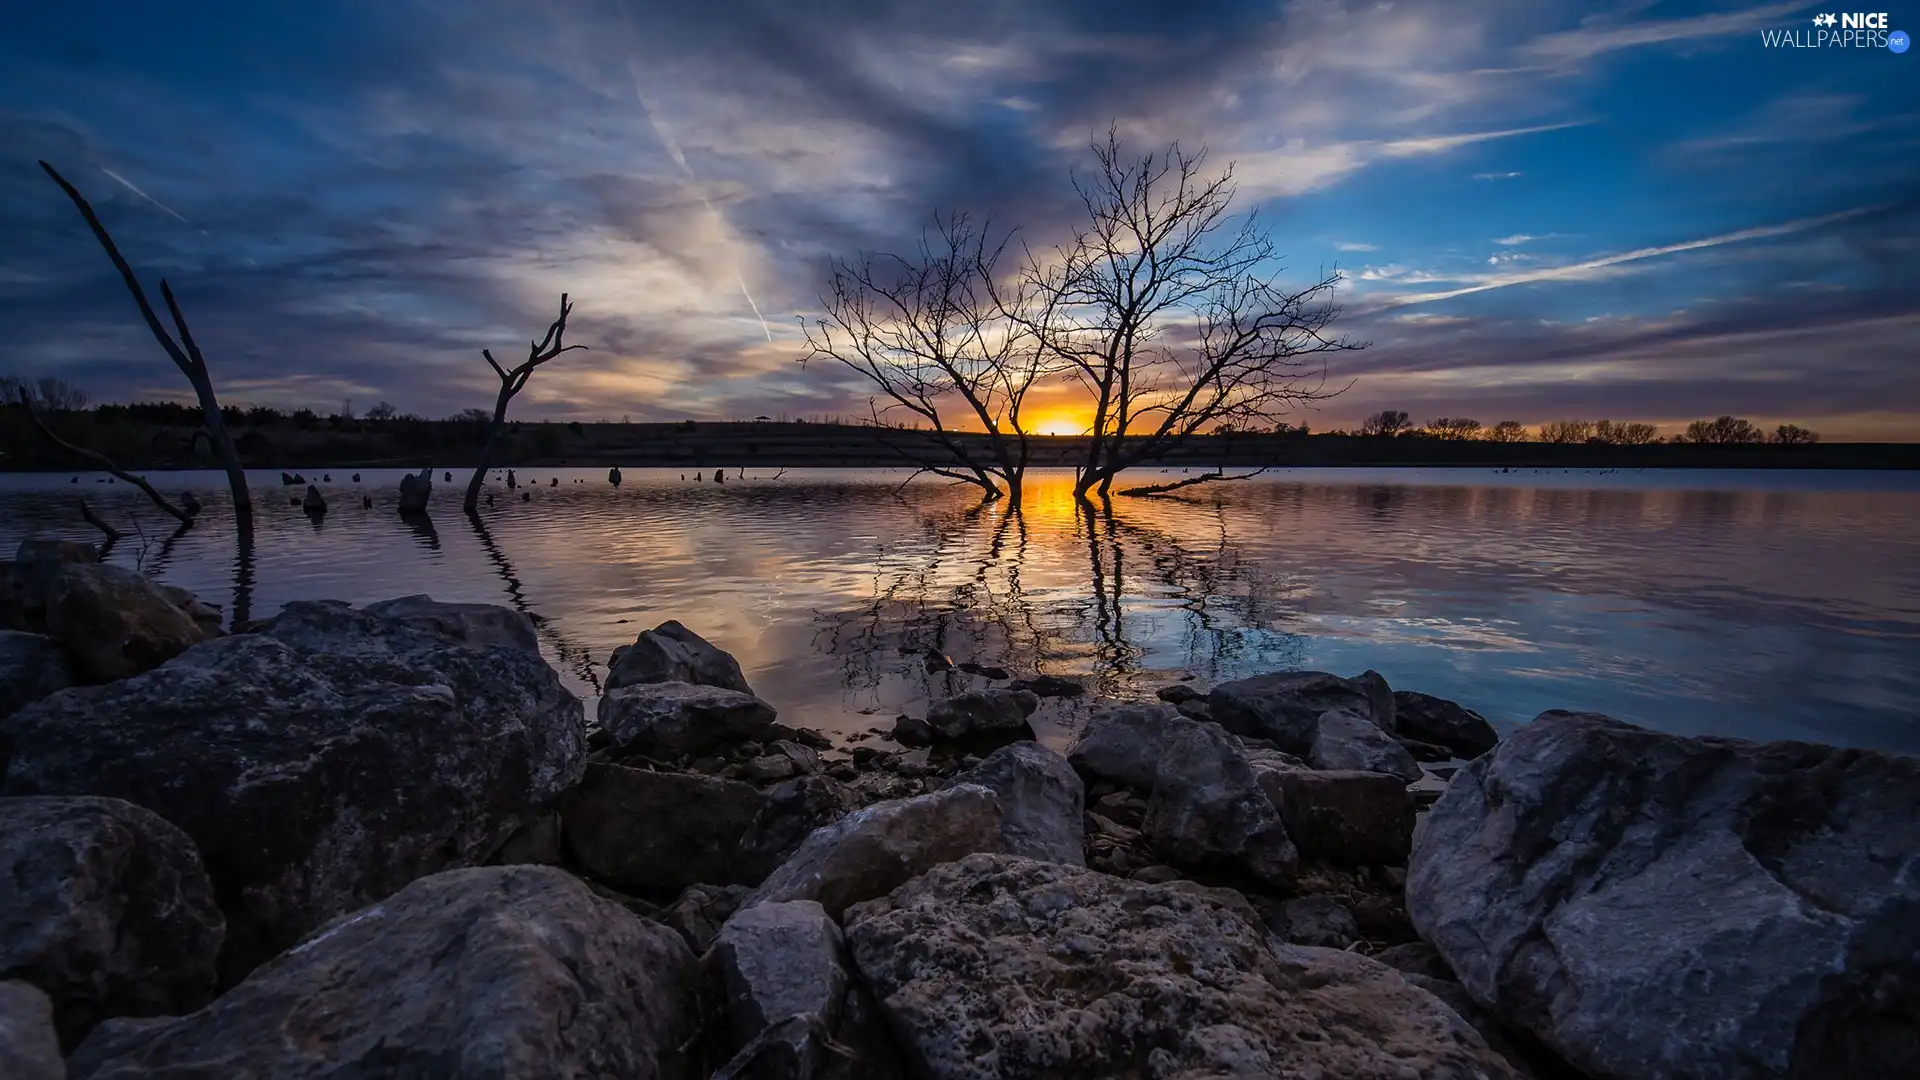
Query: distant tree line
<point x="1721" y="431"/>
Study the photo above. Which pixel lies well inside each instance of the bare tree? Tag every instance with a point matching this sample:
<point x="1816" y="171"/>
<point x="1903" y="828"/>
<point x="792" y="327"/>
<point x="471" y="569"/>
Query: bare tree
<point x="1455" y="428"/>
<point x="1386" y="422"/>
<point x="1566" y="431"/>
<point x="1723" y="430"/>
<point x="104" y="462"/>
<point x="945" y="343"/>
<point x="185" y="353"/>
<point x="1794" y="435"/>
<point x="51" y="394"/>
<point x="1171" y="316"/>
<point x="1507" y="431"/>
<point x="512" y="381"/>
<point x="1624" y="434"/>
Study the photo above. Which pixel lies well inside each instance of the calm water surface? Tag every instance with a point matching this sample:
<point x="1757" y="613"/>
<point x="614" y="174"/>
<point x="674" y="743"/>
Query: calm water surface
<point x="1764" y="605"/>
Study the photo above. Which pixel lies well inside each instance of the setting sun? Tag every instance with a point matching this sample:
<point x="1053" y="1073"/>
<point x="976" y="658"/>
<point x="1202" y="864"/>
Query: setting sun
<point x="1061" y="425"/>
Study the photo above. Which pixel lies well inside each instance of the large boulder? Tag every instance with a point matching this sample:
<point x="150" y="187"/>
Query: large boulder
<point x="115" y="621"/>
<point x="104" y="906"/>
<point x="473" y="624"/>
<point x="672" y="653"/>
<point x="32" y="666"/>
<point x="30" y="576"/>
<point x="719" y="831"/>
<point x="29" y="1048"/>
<point x="672" y="719"/>
<point x="1656" y="907"/>
<point x="1002" y="968"/>
<point x="204" y="615"/>
<point x="1347" y="818"/>
<point x="1043" y="804"/>
<point x="1123" y="743"/>
<point x="780" y="960"/>
<point x="1207" y="810"/>
<point x="1285" y="706"/>
<point x="319" y="764"/>
<point x="496" y="973"/>
<point x="982" y="714"/>
<point x="875" y="849"/>
<point x="1347" y="740"/>
<point x="1443" y="723"/>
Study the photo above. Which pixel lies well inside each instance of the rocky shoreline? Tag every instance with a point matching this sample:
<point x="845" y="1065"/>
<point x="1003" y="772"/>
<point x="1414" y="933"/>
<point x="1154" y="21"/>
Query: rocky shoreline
<point x="386" y="842"/>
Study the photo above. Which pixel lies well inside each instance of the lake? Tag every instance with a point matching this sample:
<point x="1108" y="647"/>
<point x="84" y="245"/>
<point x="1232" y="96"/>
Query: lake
<point x="1764" y="605"/>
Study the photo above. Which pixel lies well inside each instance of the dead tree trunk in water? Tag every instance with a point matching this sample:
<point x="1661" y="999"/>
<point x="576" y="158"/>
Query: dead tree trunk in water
<point x="185" y="353"/>
<point x="511" y="383"/>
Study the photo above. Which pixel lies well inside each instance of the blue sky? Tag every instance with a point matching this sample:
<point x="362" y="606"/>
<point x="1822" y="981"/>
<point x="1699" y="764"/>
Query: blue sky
<point x="1543" y="209"/>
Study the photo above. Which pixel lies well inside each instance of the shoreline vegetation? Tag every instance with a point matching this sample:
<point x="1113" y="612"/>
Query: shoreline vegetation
<point x="296" y="825"/>
<point x="162" y="437"/>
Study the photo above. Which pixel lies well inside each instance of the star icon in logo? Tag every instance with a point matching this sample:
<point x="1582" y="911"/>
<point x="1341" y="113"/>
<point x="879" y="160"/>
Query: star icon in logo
<point x="1824" y="20"/>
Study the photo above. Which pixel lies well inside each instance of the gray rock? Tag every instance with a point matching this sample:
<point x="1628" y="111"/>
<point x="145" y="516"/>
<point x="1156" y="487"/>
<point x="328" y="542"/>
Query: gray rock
<point x="537" y="843"/>
<point x="1654" y="906"/>
<point x="1196" y="709"/>
<point x="792" y="811"/>
<point x="912" y="731"/>
<point x="1347" y="818"/>
<point x="643" y="831"/>
<point x="104" y="906"/>
<point x="1042" y="802"/>
<point x="702" y="910"/>
<point x="319" y="764"/>
<point x="29" y="1049"/>
<point x="115" y="622"/>
<point x="1002" y="968"/>
<point x="780" y="960"/>
<point x="1320" y="921"/>
<point x="32" y="666"/>
<point x="669" y="719"/>
<point x="1349" y="741"/>
<point x="1380" y="697"/>
<point x="472" y="624"/>
<point x="1123" y="742"/>
<point x="1443" y="723"/>
<point x="1285" y="706"/>
<point x="982" y="713"/>
<point x="499" y="973"/>
<point x="672" y="653"/>
<point x="1208" y="809"/>
<point x="876" y="849"/>
<point x="30" y="576"/>
<point x="204" y="615"/>
<point x="1178" y="692"/>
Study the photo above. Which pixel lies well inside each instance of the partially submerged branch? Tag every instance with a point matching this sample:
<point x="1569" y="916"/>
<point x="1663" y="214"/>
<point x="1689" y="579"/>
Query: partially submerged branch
<point x="1203" y="478"/>
<point x="512" y="381"/>
<point x="102" y="460"/>
<point x="87" y="515"/>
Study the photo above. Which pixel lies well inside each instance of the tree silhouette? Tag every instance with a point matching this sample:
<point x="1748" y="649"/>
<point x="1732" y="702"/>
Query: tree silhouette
<point x="1794" y="435"/>
<point x="1566" y="431"/>
<point x="1724" y="430"/>
<point x="1454" y="428"/>
<point x="1386" y="422"/>
<point x="1624" y="434"/>
<point x="1507" y="431"/>
<point x="512" y="381"/>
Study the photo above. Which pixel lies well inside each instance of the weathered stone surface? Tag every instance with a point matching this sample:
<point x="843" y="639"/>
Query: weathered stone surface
<point x="644" y="831"/>
<point x="875" y="849"/>
<point x="1383" y="709"/>
<point x="1285" y="706"/>
<point x="115" y="622"/>
<point x="672" y="653"/>
<point x="1656" y="907"/>
<point x="29" y="1049"/>
<point x="1348" y="817"/>
<point x="537" y="843"/>
<point x="912" y="731"/>
<point x="204" y="615"/>
<point x="31" y="573"/>
<point x="1207" y="809"/>
<point x="472" y="624"/>
<point x="319" y="764"/>
<point x="668" y="719"/>
<point x="1178" y="692"/>
<point x="792" y="811"/>
<point x="104" y="906"/>
<point x="1443" y="723"/>
<point x="1002" y="968"/>
<point x="779" y="960"/>
<point x="982" y="713"/>
<point x="1320" y="921"/>
<point x="1042" y="802"/>
<point x="702" y="910"/>
<point x="1349" y="741"/>
<point x="1123" y="743"/>
<point x="32" y="666"/>
<point x="498" y="973"/>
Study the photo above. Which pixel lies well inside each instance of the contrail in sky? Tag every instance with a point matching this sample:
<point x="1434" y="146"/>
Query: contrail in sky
<point x="680" y="159"/>
<point x="128" y="184"/>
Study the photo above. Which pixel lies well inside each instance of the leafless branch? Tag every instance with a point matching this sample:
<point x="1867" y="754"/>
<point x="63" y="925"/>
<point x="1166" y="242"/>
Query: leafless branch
<point x="1203" y="478"/>
<point x="101" y="460"/>
<point x="87" y="515"/>
<point x="512" y="381"/>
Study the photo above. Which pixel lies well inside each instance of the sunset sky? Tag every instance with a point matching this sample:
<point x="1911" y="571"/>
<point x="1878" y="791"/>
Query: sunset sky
<point x="1544" y="209"/>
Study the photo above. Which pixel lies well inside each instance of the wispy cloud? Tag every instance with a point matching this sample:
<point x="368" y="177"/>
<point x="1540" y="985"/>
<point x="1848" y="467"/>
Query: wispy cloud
<point x="1583" y="44"/>
<point x="1496" y="175"/>
<point x="128" y="184"/>
<point x="1350" y="245"/>
<point x="1516" y="238"/>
